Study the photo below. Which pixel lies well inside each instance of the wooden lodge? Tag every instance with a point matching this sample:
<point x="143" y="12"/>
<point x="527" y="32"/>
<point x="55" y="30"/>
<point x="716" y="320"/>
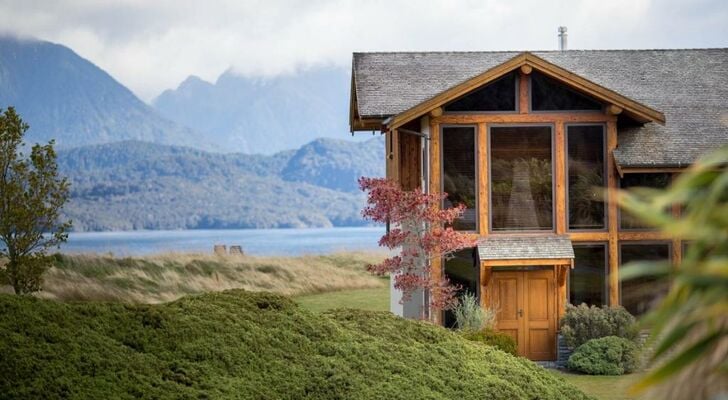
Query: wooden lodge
<point x="523" y="139"/>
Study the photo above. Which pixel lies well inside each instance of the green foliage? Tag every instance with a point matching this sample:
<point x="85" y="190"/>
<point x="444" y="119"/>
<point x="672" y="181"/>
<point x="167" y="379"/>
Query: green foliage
<point x="469" y="315"/>
<point x="610" y="355"/>
<point x="690" y="326"/>
<point x="583" y="323"/>
<point x="490" y="337"/>
<point x="31" y="197"/>
<point x="238" y="344"/>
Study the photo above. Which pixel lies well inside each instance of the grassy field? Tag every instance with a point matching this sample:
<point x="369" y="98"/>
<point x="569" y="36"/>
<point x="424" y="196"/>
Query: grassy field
<point x="602" y="387"/>
<point x="376" y="299"/>
<point x="165" y="277"/>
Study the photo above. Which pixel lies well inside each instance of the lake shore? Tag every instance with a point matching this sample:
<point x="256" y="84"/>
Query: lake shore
<point x="259" y="242"/>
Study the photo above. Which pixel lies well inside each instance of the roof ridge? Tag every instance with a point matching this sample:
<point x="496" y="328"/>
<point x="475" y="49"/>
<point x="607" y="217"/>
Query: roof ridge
<point x="539" y="51"/>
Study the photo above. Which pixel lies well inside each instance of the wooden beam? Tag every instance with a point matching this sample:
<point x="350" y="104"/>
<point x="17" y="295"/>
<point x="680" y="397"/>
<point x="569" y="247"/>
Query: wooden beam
<point x="589" y="236"/>
<point x="614" y="110"/>
<point x="526" y="262"/>
<point x="596" y="117"/>
<point x="612" y="215"/>
<point x="396" y="156"/>
<point x="562" y="272"/>
<point x="485" y="275"/>
<point x="483" y="190"/>
<point x="486" y="272"/>
<point x="435" y="264"/>
<point x="436" y="112"/>
<point x="676" y="242"/>
<point x="666" y="170"/>
<point x="366" y="124"/>
<point x="642" y="235"/>
<point x="526" y="69"/>
<point x="524" y="102"/>
<point x="560" y="178"/>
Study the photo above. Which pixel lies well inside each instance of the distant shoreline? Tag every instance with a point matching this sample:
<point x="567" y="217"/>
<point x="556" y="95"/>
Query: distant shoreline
<point x="259" y="242"/>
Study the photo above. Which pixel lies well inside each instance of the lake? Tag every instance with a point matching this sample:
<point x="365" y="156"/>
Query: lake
<point x="254" y="241"/>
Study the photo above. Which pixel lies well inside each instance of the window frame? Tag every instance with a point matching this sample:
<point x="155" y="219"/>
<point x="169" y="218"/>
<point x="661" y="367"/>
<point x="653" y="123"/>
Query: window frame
<point x="489" y="127"/>
<point x="475" y="168"/>
<point x="530" y="99"/>
<point x="671" y="177"/>
<point x="605" y="172"/>
<point x="605" y="294"/>
<point x="516" y="88"/>
<point x="621" y="243"/>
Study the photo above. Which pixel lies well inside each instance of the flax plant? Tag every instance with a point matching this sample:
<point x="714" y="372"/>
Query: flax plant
<point x="689" y="328"/>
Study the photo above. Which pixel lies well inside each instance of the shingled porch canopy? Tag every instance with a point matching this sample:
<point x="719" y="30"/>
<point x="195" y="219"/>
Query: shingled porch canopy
<point x="527" y="250"/>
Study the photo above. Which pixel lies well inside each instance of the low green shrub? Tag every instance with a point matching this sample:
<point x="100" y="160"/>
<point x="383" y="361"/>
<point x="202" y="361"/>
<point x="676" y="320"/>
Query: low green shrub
<point x="583" y="323"/>
<point x="609" y="355"/>
<point x="499" y="340"/>
<point x="238" y="344"/>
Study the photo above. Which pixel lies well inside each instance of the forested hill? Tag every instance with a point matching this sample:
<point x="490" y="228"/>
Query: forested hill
<point x="69" y="99"/>
<point x="138" y="185"/>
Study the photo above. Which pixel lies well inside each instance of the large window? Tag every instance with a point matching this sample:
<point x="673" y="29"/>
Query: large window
<point x="629" y="181"/>
<point x="641" y="294"/>
<point x="521" y="178"/>
<point x="496" y="96"/>
<point x="462" y="270"/>
<point x="586" y="176"/>
<point x="549" y="95"/>
<point x="588" y="278"/>
<point x="459" y="177"/>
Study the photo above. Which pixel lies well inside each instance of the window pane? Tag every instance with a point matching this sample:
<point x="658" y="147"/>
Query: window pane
<point x="586" y="176"/>
<point x="588" y="279"/>
<point x="521" y="183"/>
<point x="462" y="270"/>
<point x="497" y="96"/>
<point x="641" y="294"/>
<point x="655" y="181"/>
<point x="459" y="177"/>
<point x="549" y="95"/>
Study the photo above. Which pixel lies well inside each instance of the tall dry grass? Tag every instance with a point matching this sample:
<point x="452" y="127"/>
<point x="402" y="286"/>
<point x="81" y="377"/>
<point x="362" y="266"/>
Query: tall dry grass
<point x="165" y="277"/>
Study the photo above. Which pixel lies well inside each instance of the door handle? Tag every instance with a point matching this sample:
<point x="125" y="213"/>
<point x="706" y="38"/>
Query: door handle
<point x="520" y="313"/>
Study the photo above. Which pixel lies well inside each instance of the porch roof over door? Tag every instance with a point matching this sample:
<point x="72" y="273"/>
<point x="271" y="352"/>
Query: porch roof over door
<point x="527" y="247"/>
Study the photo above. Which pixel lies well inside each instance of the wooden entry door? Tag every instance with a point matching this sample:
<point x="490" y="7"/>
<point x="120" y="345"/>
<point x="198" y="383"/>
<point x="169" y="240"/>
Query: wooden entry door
<point x="525" y="304"/>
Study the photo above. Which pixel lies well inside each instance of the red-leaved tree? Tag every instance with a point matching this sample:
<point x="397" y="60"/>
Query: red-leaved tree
<point x="421" y="231"/>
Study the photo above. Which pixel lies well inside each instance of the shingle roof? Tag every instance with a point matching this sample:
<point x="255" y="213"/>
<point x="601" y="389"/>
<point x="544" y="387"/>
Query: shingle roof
<point x="524" y="247"/>
<point x="689" y="86"/>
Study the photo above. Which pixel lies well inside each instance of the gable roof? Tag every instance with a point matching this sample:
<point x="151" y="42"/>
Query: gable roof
<point x="689" y="86"/>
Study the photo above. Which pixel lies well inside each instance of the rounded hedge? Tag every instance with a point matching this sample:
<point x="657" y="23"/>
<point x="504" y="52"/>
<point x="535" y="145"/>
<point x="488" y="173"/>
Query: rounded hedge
<point x="609" y="355"/>
<point x="582" y="323"/>
<point x="499" y="340"/>
<point x="237" y="344"/>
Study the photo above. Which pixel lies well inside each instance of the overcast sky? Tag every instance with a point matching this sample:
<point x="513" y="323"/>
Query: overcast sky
<point x="152" y="45"/>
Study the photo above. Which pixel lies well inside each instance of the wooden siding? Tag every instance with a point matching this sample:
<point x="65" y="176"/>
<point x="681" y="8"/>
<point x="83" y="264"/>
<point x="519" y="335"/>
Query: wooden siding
<point x="410" y="155"/>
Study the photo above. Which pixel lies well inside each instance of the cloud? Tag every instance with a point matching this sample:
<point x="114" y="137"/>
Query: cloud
<point x="153" y="45"/>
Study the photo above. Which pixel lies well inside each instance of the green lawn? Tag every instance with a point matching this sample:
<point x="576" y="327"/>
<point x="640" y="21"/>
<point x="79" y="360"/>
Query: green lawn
<point x="601" y="387"/>
<point x="364" y="299"/>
